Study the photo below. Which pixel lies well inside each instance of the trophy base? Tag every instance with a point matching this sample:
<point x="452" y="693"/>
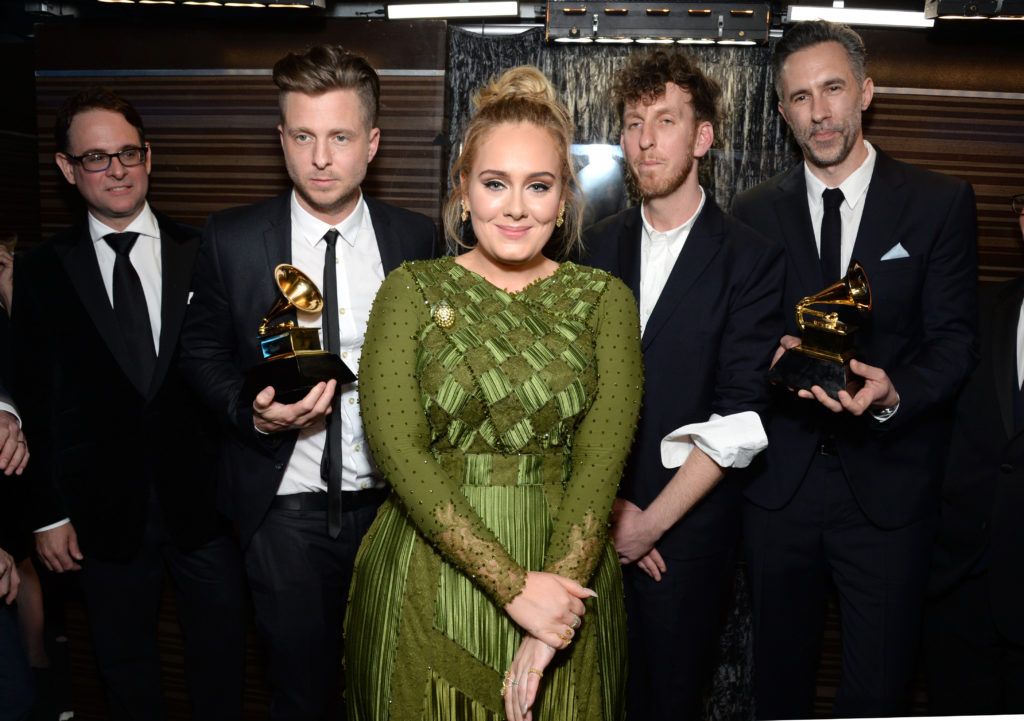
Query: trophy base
<point x="292" y="376"/>
<point x="799" y="370"/>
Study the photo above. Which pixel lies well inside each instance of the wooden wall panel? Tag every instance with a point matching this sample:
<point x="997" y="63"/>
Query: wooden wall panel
<point x="977" y="138"/>
<point x="212" y="122"/>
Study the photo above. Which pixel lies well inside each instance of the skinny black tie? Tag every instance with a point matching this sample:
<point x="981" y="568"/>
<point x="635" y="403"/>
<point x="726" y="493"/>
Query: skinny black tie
<point x="330" y="464"/>
<point x="831" y="236"/>
<point x="131" y="310"/>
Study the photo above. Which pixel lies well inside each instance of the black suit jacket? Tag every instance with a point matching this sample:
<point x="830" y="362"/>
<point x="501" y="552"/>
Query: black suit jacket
<point x="98" y="442"/>
<point x="983" y="492"/>
<point x="707" y="346"/>
<point x="922" y="332"/>
<point x="234" y="287"/>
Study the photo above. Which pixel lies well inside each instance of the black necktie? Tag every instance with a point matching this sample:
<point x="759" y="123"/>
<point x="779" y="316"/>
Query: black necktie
<point x="330" y="464"/>
<point x="831" y="236"/>
<point x="131" y="310"/>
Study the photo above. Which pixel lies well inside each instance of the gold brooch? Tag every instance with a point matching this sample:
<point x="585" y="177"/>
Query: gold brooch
<point x="444" y="315"/>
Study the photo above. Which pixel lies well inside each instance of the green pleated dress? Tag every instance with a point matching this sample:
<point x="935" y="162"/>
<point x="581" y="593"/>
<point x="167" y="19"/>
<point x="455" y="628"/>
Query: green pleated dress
<point x="502" y="422"/>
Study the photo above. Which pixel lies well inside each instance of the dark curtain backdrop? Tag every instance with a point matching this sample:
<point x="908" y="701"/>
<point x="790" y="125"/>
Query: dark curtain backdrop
<point x="750" y="141"/>
<point x="750" y="146"/>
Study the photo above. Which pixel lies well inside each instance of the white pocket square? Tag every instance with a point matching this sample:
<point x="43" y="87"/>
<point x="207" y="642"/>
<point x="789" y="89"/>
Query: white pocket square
<point x="897" y="251"/>
<point x="190" y="294"/>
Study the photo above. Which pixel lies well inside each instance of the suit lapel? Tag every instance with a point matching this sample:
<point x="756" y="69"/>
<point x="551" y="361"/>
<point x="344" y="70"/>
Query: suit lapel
<point x="629" y="252"/>
<point x="702" y="244"/>
<point x="1005" y="315"/>
<point x="883" y="207"/>
<point x="176" y="258"/>
<point x="388" y="243"/>
<point x="79" y="260"/>
<point x="795" y="218"/>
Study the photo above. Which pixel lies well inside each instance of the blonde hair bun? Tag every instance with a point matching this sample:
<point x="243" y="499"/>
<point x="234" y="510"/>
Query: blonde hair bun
<point x="523" y="82"/>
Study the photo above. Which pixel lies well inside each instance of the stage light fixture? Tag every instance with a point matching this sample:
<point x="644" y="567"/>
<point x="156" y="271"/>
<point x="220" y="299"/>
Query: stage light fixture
<point x="668" y="21"/>
<point x="858" y="16"/>
<point x="442" y="10"/>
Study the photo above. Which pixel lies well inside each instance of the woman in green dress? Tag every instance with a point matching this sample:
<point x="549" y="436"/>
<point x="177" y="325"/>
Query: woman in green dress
<point x="499" y="392"/>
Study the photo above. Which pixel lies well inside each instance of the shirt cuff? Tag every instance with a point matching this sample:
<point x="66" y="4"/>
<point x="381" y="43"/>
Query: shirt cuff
<point x="12" y="410"/>
<point x="58" y="524"/>
<point x="730" y="441"/>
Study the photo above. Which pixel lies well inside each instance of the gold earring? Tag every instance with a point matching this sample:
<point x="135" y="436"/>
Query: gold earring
<point x="561" y="216"/>
<point x="465" y="212"/>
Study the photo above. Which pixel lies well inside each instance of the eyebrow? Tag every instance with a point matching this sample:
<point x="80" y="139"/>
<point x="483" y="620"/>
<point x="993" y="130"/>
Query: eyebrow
<point x="825" y="83"/>
<point x="332" y="131"/>
<point x="126" y="146"/>
<point x="503" y="174"/>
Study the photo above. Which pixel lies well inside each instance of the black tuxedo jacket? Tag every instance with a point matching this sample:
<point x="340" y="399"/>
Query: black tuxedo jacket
<point x="98" y="442"/>
<point x="707" y="346"/>
<point x="922" y="332"/>
<point x="983" y="492"/>
<point x="234" y="287"/>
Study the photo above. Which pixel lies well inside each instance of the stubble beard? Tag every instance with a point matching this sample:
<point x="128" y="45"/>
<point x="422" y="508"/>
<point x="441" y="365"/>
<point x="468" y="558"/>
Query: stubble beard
<point x="331" y="207"/>
<point x="652" y="188"/>
<point x="848" y="134"/>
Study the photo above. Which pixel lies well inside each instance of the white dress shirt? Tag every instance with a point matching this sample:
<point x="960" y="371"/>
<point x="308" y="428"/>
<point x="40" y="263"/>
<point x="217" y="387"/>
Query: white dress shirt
<point x="658" y="254"/>
<point x="855" y="190"/>
<point x="1020" y="346"/>
<point x="360" y="274"/>
<point x="4" y="406"/>
<point x="731" y="441"/>
<point x="851" y="210"/>
<point x="145" y="257"/>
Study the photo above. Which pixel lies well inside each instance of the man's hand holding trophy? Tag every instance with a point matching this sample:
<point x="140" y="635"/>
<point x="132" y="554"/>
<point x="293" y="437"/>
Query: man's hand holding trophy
<point x="821" y="363"/>
<point x="293" y="362"/>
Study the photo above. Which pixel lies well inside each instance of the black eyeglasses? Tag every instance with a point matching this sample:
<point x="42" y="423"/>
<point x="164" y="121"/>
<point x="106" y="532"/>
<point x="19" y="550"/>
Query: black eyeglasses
<point x="98" y="162"/>
<point x="1017" y="203"/>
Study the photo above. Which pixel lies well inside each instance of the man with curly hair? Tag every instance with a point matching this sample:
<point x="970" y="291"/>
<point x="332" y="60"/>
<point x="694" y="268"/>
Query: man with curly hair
<point x="708" y="291"/>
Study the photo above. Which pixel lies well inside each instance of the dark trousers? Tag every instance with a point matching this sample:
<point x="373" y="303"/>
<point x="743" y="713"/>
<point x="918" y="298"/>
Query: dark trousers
<point x="123" y="603"/>
<point x="673" y="627"/>
<point x="16" y="681"/>
<point x="299" y="579"/>
<point x="971" y="668"/>
<point x="794" y="555"/>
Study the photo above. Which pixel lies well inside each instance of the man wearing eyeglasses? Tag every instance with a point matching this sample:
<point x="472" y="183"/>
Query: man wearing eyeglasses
<point x="974" y="628"/>
<point x="122" y="479"/>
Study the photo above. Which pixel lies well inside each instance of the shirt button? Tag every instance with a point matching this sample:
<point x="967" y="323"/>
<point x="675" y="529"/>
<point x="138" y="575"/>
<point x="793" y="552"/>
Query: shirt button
<point x="344" y="354"/>
<point x="351" y="401"/>
<point x="359" y="446"/>
<point x="341" y="311"/>
<point x="366" y="485"/>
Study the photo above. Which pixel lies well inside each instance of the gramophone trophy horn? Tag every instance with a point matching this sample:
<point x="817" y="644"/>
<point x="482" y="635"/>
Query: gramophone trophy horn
<point x="293" y="359"/>
<point x="297" y="291"/>
<point x="827" y="337"/>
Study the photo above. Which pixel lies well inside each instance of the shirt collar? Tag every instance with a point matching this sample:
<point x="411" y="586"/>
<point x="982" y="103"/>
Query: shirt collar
<point x="312" y="230"/>
<point x="854" y="188"/>
<point x="673" y="235"/>
<point x="145" y="223"/>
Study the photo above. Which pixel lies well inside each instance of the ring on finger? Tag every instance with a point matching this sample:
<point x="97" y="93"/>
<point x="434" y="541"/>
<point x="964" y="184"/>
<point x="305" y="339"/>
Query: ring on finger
<point x="567" y="634"/>
<point x="540" y="674"/>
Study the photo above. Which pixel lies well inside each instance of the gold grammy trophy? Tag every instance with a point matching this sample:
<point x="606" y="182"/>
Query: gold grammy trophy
<point x="293" y="361"/>
<point x="823" y="357"/>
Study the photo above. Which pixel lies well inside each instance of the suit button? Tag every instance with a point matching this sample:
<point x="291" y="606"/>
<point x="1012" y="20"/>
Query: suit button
<point x="278" y="466"/>
<point x="1006" y="468"/>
